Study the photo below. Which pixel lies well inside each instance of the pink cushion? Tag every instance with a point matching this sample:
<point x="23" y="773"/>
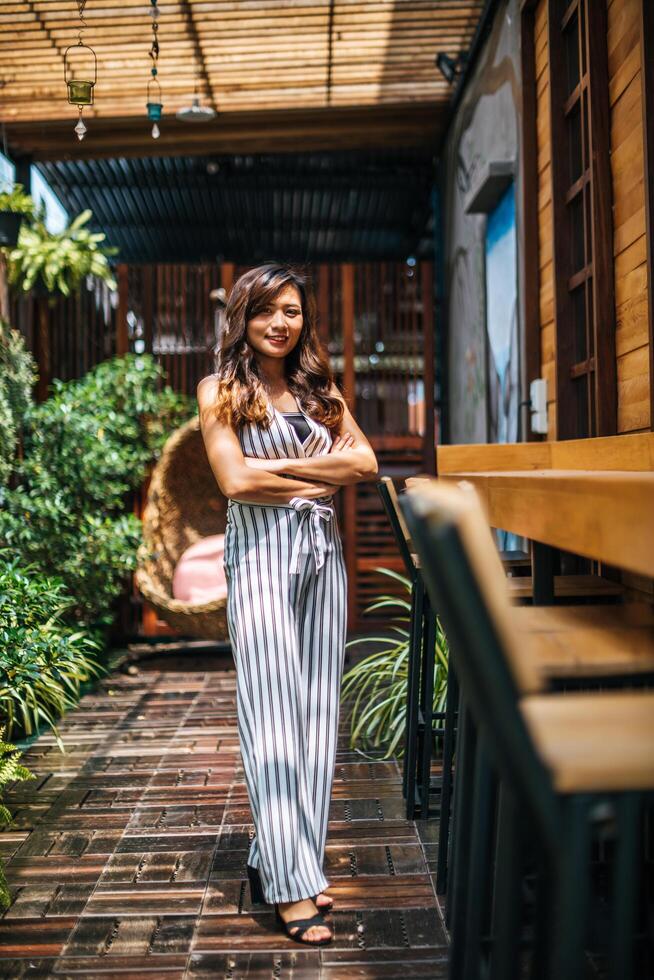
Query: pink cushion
<point x="199" y="575"/>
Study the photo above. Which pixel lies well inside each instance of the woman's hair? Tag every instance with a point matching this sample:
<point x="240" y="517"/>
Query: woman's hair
<point x="241" y="396"/>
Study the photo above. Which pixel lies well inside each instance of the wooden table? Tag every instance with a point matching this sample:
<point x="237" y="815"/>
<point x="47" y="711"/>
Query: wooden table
<point x="607" y="515"/>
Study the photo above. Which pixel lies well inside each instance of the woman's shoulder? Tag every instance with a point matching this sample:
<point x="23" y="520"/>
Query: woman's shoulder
<point x="210" y="382"/>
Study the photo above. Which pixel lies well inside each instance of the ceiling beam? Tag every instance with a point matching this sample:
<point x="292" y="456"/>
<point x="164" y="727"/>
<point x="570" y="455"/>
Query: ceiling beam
<point x="233" y="132"/>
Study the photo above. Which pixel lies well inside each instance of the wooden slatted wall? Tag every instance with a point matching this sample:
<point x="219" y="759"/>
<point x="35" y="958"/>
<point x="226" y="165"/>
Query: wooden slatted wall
<point x="545" y="236"/>
<point x="629" y="240"/>
<point x="629" y="216"/>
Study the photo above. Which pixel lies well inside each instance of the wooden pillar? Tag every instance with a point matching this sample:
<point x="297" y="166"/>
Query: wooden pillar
<point x="122" y="335"/>
<point x="42" y="352"/>
<point x="4" y="288"/>
<point x="349" y="391"/>
<point x="529" y="246"/>
<point x="227" y="275"/>
<point x="647" y="67"/>
<point x="428" y="328"/>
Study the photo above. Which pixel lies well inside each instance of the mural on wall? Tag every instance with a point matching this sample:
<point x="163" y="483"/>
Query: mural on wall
<point x="485" y="128"/>
<point x="503" y="362"/>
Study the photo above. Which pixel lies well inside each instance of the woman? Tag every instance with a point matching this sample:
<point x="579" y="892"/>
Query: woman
<point x="281" y="441"/>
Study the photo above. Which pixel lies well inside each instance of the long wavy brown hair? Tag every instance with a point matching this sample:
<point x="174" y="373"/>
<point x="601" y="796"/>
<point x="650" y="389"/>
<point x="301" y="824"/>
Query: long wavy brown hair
<point x="241" y="395"/>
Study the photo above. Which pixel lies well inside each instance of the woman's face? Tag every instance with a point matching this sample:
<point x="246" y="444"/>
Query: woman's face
<point x="275" y="330"/>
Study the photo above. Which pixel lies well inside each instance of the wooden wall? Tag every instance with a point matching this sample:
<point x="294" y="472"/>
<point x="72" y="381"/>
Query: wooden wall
<point x="629" y="214"/>
<point x="629" y="238"/>
<point x="545" y="237"/>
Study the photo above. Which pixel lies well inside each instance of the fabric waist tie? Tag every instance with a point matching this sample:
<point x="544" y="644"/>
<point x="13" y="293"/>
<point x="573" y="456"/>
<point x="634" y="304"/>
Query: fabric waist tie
<point x="312" y="514"/>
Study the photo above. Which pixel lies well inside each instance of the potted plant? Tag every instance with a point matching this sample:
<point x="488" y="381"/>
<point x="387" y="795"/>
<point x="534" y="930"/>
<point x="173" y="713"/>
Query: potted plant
<point x="14" y="206"/>
<point x="58" y="262"/>
<point x="377" y="684"/>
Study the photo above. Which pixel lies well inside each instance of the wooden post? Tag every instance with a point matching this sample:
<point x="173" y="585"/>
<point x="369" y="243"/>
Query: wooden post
<point x="529" y="245"/>
<point x="122" y="335"/>
<point x="428" y="328"/>
<point x="42" y="348"/>
<point x="4" y="288"/>
<point x="227" y="275"/>
<point x="349" y="391"/>
<point x="647" y="67"/>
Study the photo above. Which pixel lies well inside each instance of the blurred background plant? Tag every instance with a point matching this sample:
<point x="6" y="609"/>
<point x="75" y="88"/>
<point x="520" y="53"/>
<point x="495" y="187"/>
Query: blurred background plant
<point x="377" y="684"/>
<point x="51" y="262"/>
<point x="11" y="771"/>
<point x="68" y="537"/>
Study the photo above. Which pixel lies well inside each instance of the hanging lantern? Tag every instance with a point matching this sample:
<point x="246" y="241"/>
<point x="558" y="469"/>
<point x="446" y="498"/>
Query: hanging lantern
<point x="80" y="74"/>
<point x="154" y="104"/>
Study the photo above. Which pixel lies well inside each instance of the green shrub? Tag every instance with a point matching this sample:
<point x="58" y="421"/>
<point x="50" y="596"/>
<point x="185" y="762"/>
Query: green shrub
<point x="42" y="661"/>
<point x="11" y="771"/>
<point x="85" y="449"/>
<point x="92" y="553"/>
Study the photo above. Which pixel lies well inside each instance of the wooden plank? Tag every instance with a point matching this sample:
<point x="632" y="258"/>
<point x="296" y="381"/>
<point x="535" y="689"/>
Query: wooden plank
<point x="625" y="452"/>
<point x="477" y="457"/>
<point x="561" y="508"/>
<point x="529" y="252"/>
<point x="647" y="68"/>
<point x="602" y="223"/>
<point x="429" y="326"/>
<point x="349" y="391"/>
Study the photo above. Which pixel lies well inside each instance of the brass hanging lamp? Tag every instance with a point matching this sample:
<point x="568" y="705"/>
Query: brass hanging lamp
<point x="80" y="81"/>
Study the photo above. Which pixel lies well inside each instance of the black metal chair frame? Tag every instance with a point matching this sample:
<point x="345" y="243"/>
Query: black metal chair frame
<point x="485" y="914"/>
<point x="422" y="723"/>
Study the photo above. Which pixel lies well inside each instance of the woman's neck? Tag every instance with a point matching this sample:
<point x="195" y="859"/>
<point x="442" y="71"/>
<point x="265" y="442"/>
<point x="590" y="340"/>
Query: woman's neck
<point x="273" y="376"/>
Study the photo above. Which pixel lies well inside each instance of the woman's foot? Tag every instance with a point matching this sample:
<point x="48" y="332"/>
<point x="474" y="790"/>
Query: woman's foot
<point x="323" y="902"/>
<point x="305" y="908"/>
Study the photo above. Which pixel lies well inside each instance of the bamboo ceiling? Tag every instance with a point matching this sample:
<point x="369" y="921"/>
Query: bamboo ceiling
<point x="277" y="71"/>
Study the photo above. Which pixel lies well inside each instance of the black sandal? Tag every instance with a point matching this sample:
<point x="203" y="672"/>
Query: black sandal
<point x="323" y="908"/>
<point x="303" y="926"/>
<point x="256" y="891"/>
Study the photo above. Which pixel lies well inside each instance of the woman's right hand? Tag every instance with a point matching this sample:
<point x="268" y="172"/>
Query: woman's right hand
<point x="344" y="441"/>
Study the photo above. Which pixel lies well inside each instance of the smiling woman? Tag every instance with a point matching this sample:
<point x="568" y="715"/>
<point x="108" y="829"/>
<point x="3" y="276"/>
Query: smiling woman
<point x="287" y="586"/>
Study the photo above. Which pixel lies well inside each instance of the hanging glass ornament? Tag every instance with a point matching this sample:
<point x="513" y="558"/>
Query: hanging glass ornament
<point x="80" y="73"/>
<point x="154" y="105"/>
<point x="80" y="129"/>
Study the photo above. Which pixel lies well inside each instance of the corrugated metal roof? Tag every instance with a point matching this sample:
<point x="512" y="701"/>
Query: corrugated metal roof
<point x="338" y="206"/>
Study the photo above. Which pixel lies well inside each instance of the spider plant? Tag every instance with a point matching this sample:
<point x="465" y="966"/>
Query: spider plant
<point x="377" y="684"/>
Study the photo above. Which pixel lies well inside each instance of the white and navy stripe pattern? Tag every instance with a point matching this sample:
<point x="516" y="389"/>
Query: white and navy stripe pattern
<point x="286" y="613"/>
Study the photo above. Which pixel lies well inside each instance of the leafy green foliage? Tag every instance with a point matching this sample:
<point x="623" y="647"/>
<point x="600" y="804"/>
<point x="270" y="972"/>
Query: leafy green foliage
<point x="377" y="684"/>
<point x="67" y="538"/>
<point x="86" y="448"/>
<point x="11" y="771"/>
<point x="42" y="662"/>
<point x="17" y="377"/>
<point x="92" y="553"/>
<point x="17" y="201"/>
<point x="59" y="261"/>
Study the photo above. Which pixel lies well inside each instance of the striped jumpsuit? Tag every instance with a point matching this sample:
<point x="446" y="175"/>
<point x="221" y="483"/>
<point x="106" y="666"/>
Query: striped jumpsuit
<point x="286" y="614"/>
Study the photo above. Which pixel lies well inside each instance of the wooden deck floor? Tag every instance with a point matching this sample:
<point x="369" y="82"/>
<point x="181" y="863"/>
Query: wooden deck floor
<point x="127" y="855"/>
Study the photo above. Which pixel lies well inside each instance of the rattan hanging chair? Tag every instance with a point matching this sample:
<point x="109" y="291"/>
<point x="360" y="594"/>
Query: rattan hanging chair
<point x="184" y="505"/>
